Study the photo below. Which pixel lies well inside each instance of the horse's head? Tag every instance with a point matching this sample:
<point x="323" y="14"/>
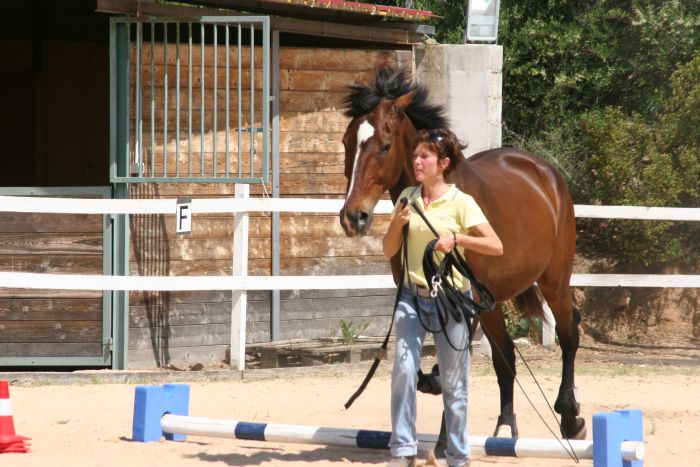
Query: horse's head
<point x="376" y="145"/>
<point x="379" y="142"/>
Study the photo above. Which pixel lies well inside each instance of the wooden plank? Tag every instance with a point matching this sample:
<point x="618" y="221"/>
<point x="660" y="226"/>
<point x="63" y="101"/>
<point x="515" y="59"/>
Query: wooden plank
<point x="22" y="222"/>
<point x="318" y="58"/>
<point x="337" y="307"/>
<point x="7" y="292"/>
<point x="205" y="226"/>
<point x="220" y="248"/>
<point x="179" y="314"/>
<point x="54" y="349"/>
<point x="50" y="310"/>
<point x="294" y="100"/>
<point x="158" y="103"/>
<point x="178" y="357"/>
<point x="335" y="265"/>
<point x="158" y="75"/>
<point x="317" y="121"/>
<point x="322" y="80"/>
<point x="139" y="299"/>
<point x="290" y="141"/>
<point x="51" y="331"/>
<point x="179" y="336"/>
<point x="159" y="51"/>
<point x="55" y="263"/>
<point x="66" y="243"/>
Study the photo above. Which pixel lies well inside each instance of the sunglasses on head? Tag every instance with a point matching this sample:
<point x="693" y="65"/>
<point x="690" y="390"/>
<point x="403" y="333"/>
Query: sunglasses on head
<point x="435" y="137"/>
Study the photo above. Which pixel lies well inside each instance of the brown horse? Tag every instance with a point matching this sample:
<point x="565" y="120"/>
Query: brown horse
<point x="524" y="197"/>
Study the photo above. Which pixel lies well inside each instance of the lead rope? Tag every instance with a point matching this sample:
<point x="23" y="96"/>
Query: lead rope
<point x="381" y="353"/>
<point x="570" y="451"/>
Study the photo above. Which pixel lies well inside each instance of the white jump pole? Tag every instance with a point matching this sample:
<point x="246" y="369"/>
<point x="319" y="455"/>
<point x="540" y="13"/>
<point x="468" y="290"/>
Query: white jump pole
<point x="163" y="411"/>
<point x="304" y="434"/>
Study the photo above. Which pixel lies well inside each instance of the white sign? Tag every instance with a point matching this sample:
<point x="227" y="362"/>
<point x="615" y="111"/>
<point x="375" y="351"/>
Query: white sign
<point x="183" y="215"/>
<point x="482" y="20"/>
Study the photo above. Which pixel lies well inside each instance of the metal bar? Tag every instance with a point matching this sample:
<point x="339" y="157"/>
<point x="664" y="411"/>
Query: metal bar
<point x="189" y="97"/>
<point x="153" y="99"/>
<point x="194" y="179"/>
<point x="216" y="94"/>
<point x="201" y="110"/>
<point x="119" y="45"/>
<point x="266" y="100"/>
<point x="227" y="102"/>
<point x="138" y="150"/>
<point x="252" y="101"/>
<point x="275" y="240"/>
<point x="240" y="105"/>
<point x="165" y="99"/>
<point x="177" y="99"/>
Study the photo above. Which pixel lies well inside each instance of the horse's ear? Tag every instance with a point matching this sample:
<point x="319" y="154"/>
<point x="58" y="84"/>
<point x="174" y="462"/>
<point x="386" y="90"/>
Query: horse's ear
<point x="402" y="102"/>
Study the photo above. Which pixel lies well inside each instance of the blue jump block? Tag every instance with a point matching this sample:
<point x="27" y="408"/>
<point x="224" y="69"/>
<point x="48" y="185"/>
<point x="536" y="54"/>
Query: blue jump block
<point x="151" y="403"/>
<point x="610" y="429"/>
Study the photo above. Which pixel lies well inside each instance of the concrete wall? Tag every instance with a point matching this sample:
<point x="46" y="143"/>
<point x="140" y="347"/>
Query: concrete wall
<point x="466" y="79"/>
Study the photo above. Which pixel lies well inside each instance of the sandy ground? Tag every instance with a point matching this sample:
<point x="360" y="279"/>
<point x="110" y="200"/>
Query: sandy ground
<point x="90" y="424"/>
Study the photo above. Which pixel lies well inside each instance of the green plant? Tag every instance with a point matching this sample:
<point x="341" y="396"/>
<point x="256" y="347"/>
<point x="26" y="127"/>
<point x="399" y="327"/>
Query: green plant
<point x="350" y="332"/>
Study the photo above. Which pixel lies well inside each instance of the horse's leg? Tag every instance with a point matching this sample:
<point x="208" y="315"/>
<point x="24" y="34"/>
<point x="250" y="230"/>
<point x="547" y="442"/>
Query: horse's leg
<point x="556" y="291"/>
<point x="503" y="358"/>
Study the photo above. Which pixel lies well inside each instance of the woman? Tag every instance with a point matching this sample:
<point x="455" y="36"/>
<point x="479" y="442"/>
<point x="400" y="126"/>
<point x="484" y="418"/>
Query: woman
<point x="461" y="224"/>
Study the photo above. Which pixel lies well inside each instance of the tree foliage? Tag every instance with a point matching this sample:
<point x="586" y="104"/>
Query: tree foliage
<point x="609" y="91"/>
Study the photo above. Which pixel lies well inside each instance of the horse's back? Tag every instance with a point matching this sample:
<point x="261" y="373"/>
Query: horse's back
<point x="526" y="201"/>
<point x="508" y="172"/>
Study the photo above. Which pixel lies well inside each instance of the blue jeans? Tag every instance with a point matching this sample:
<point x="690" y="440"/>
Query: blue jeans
<point x="454" y="378"/>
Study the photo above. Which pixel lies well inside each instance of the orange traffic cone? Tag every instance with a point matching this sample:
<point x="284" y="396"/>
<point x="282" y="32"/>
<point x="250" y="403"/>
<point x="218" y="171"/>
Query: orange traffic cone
<point x="9" y="441"/>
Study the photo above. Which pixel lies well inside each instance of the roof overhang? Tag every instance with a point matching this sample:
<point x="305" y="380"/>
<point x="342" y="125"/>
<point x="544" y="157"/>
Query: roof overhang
<point x="376" y="30"/>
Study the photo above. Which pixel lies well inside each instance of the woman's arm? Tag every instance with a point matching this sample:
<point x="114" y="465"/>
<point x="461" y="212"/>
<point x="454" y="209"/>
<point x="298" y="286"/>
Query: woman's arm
<point x="481" y="238"/>
<point x="392" y="239"/>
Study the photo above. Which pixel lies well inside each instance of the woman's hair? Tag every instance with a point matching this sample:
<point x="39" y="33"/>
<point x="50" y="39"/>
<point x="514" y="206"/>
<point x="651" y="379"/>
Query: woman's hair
<point x="444" y="143"/>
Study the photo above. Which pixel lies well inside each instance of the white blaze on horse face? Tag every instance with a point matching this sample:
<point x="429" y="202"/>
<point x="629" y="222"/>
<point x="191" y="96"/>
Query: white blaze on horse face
<point x="364" y="132"/>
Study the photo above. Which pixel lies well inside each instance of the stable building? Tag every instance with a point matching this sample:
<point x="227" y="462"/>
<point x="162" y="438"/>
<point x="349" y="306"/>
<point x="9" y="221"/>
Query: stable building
<point x="113" y="99"/>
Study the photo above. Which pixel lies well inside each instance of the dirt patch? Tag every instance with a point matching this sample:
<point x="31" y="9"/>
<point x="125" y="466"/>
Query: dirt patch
<point x="657" y="317"/>
<point x="90" y="424"/>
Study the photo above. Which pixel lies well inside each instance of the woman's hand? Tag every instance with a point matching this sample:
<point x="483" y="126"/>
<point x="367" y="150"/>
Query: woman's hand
<point x="403" y="215"/>
<point x="446" y="243"/>
<point x="394" y="235"/>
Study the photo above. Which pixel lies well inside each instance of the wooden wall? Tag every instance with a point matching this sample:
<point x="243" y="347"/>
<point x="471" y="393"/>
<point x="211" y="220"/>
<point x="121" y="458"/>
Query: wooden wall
<point x="183" y="328"/>
<point x="50" y="323"/>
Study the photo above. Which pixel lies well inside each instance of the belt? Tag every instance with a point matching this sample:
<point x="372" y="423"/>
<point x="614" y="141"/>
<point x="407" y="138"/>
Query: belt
<point x="421" y="291"/>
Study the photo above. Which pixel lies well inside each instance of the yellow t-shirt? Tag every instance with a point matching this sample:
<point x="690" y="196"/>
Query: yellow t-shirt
<point x="454" y="211"/>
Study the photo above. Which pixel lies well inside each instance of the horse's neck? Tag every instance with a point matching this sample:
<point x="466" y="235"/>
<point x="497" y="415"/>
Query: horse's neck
<point x="407" y="177"/>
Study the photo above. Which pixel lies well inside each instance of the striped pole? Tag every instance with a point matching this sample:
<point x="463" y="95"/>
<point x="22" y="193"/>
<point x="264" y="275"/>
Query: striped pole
<point x="302" y="434"/>
<point x="164" y="411"/>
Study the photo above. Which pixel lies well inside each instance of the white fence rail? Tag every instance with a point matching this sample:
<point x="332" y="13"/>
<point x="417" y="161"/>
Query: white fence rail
<point x="243" y="205"/>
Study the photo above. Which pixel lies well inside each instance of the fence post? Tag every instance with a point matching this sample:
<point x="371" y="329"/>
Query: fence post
<point x="239" y="298"/>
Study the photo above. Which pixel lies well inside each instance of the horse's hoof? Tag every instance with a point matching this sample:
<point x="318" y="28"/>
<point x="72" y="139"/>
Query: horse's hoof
<point x="506" y="427"/>
<point x="577" y="431"/>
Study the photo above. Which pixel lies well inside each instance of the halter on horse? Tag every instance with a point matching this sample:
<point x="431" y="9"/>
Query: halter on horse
<point x="524" y="197"/>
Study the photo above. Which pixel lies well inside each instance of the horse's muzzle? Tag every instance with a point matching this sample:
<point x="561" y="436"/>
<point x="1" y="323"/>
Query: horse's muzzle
<point x="355" y="223"/>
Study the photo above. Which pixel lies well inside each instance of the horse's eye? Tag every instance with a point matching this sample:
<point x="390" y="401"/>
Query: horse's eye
<point x="385" y="148"/>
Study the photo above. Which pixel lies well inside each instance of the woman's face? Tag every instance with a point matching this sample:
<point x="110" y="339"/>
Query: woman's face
<point x="426" y="165"/>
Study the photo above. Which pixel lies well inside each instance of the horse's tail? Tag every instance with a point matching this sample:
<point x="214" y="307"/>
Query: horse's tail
<point x="530" y="302"/>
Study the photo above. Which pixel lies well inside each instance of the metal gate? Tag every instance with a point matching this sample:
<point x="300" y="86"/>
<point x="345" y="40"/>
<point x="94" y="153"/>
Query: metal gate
<point x="193" y="100"/>
<point x="189" y="102"/>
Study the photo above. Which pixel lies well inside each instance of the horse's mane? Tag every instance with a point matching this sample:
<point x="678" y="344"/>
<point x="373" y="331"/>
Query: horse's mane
<point x="392" y="83"/>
